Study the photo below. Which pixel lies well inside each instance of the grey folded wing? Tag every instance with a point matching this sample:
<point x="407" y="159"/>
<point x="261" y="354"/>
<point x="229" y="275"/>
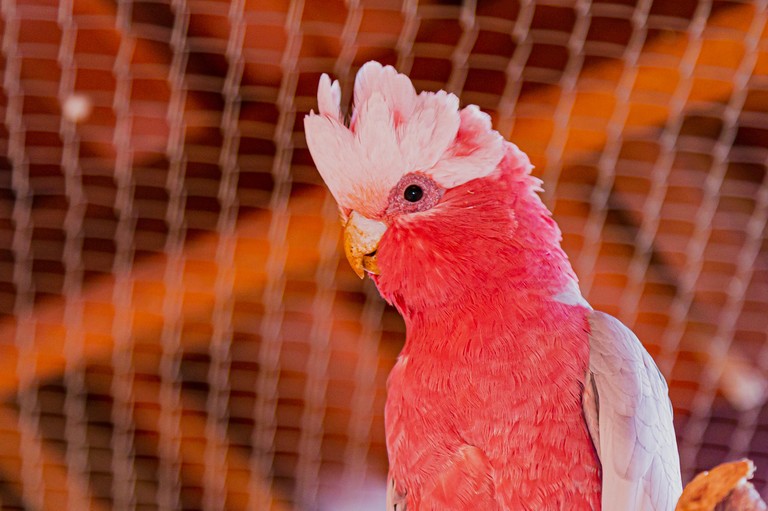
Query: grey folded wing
<point x="629" y="416"/>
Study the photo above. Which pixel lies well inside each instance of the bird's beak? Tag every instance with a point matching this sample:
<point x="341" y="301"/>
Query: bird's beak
<point x="361" y="240"/>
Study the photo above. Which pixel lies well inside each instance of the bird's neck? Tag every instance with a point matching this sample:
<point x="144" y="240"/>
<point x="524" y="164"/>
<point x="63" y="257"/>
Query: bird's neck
<point x="489" y="320"/>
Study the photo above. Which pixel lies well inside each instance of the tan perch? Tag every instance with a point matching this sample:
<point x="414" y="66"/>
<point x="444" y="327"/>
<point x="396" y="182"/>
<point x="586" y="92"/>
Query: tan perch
<point x="724" y="488"/>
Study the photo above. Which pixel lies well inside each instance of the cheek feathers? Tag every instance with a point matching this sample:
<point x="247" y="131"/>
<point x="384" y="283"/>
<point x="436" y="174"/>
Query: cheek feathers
<point x="461" y="237"/>
<point x="480" y="232"/>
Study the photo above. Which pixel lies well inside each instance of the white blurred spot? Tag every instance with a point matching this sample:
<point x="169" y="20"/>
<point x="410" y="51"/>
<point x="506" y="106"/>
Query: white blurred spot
<point x="77" y="107"/>
<point x="743" y="384"/>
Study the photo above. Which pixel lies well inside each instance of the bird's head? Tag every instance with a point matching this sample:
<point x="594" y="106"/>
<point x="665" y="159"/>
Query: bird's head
<point x="436" y="206"/>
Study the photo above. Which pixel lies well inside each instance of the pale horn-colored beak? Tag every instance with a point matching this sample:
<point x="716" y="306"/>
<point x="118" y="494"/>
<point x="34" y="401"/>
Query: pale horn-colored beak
<point x="361" y="240"/>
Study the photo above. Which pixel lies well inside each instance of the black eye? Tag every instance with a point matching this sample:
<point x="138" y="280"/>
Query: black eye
<point x="413" y="193"/>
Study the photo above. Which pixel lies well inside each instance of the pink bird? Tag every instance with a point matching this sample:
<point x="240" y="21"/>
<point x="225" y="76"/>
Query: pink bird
<point x="511" y="392"/>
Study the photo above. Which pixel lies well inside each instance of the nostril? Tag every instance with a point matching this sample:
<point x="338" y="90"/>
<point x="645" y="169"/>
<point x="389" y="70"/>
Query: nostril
<point x="371" y="254"/>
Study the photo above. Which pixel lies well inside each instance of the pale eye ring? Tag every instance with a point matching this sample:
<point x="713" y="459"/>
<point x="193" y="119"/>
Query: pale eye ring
<point x="413" y="193"/>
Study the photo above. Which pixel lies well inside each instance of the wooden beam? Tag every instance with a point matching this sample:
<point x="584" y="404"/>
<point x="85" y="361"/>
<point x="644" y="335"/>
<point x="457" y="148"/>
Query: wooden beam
<point x="192" y="433"/>
<point x="103" y="50"/>
<point x="38" y="472"/>
<point x="674" y="73"/>
<point x="147" y="286"/>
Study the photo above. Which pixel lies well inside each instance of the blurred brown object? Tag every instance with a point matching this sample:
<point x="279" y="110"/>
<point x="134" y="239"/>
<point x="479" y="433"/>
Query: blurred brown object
<point x="724" y="488"/>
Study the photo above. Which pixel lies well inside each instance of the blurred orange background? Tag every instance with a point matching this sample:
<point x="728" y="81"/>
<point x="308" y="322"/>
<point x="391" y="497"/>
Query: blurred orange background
<point x="177" y="327"/>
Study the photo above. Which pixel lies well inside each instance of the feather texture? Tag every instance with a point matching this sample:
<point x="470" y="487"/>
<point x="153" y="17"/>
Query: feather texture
<point x="329" y="98"/>
<point x="477" y="147"/>
<point x="630" y="420"/>
<point x="491" y="361"/>
<point x="510" y="392"/>
<point x="394" y="131"/>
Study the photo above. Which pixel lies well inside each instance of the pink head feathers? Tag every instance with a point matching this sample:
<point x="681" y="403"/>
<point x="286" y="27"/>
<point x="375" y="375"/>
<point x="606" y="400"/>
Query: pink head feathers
<point x="394" y="131"/>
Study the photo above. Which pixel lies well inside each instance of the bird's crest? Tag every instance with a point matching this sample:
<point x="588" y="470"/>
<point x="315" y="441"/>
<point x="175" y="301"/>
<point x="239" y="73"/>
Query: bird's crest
<point x="394" y="131"/>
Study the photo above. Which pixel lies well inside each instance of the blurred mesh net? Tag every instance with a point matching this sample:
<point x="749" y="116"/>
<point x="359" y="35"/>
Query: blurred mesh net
<point x="177" y="330"/>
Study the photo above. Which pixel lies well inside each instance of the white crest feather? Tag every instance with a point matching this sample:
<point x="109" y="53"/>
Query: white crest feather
<point x="394" y="131"/>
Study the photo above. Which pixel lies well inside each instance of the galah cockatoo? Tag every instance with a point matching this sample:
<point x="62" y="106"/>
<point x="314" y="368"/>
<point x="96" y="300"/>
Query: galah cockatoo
<point x="511" y="392"/>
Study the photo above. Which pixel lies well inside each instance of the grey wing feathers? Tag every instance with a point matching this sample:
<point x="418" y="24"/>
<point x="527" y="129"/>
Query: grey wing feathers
<point x="629" y="416"/>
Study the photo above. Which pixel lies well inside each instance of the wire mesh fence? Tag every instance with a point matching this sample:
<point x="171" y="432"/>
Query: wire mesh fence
<point x="177" y="330"/>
